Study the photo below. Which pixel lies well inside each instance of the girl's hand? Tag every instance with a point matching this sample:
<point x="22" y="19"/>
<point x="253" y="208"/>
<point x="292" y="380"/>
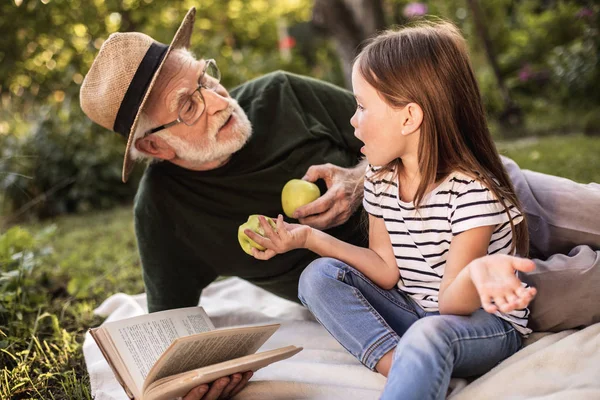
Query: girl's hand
<point x="287" y="237"/>
<point x="498" y="287"/>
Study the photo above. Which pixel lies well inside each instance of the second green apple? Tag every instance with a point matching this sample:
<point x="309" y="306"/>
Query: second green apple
<point x="297" y="193"/>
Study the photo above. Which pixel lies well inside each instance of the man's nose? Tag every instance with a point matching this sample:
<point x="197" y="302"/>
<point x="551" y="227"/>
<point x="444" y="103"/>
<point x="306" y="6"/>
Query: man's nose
<point x="214" y="101"/>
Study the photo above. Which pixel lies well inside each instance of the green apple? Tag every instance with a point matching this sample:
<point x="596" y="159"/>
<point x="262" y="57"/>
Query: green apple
<point x="254" y="225"/>
<point x="297" y="193"/>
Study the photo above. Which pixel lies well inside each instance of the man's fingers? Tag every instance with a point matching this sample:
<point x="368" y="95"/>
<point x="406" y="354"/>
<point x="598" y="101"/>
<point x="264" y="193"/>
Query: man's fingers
<point x="235" y="380"/>
<point x="312" y="173"/>
<point x="197" y="392"/>
<point x="320" y="221"/>
<point x="245" y="378"/>
<point x="316" y="172"/>
<point x="320" y="205"/>
<point x="216" y="388"/>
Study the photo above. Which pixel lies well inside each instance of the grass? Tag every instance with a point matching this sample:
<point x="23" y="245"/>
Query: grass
<point x="53" y="274"/>
<point x="576" y="157"/>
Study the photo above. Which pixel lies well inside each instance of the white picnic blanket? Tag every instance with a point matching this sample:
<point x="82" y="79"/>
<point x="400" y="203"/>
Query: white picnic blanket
<point x="565" y="365"/>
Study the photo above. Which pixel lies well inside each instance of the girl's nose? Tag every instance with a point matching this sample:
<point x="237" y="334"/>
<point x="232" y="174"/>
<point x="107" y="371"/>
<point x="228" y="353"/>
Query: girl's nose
<point x="353" y="121"/>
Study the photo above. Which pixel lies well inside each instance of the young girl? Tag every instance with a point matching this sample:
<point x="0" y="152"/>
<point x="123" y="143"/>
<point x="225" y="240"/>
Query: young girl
<point x="435" y="294"/>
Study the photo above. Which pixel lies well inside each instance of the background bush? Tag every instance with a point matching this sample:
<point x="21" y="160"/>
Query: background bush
<point x="54" y="160"/>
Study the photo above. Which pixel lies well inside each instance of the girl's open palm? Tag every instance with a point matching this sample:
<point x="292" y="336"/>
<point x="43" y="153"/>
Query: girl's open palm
<point x="281" y="240"/>
<point x="497" y="284"/>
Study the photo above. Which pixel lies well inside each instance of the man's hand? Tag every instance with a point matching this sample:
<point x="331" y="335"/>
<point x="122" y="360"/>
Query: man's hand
<point x="343" y="197"/>
<point x="223" y="388"/>
<point x="498" y="287"/>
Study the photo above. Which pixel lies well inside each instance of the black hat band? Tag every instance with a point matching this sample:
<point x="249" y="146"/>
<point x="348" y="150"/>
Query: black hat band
<point x="137" y="88"/>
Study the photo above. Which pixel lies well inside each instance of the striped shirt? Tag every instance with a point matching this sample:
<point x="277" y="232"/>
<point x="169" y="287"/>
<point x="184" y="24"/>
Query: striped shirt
<point x="421" y="238"/>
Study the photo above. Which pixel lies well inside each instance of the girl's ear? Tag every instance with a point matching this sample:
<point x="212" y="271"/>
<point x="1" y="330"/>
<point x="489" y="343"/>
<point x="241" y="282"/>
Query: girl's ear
<point x="412" y="118"/>
<point x="156" y="147"/>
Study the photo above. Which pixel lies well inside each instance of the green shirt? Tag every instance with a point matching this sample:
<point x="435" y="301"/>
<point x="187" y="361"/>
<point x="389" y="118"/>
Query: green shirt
<point x="186" y="222"/>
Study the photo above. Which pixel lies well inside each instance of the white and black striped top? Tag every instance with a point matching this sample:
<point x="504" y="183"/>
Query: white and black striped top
<point x="421" y="239"/>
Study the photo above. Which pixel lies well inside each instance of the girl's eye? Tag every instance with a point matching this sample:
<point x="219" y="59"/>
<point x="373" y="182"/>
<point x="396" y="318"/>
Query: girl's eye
<point x="358" y="106"/>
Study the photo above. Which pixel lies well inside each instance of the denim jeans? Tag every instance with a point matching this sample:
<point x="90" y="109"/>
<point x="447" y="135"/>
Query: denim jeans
<point x="429" y="348"/>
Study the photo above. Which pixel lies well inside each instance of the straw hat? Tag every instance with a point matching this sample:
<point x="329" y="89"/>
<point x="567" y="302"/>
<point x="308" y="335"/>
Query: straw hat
<point x="117" y="86"/>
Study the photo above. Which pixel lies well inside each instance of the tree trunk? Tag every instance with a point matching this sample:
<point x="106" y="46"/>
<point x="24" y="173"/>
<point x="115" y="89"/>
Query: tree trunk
<point x="512" y="114"/>
<point x="349" y="22"/>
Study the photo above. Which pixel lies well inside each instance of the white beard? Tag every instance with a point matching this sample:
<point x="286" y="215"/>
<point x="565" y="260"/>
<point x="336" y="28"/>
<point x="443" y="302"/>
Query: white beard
<point x="210" y="148"/>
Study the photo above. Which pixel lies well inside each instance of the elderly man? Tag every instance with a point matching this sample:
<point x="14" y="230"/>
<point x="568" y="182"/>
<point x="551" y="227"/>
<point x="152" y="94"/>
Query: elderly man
<point x="224" y="156"/>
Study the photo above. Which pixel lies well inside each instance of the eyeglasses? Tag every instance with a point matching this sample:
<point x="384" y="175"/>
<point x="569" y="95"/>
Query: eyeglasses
<point x="193" y="107"/>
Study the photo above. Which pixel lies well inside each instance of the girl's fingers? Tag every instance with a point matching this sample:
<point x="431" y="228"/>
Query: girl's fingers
<point x="526" y="293"/>
<point x="523" y="264"/>
<point x="527" y="297"/>
<point x="264" y="242"/>
<point x="281" y="228"/>
<point x="263" y="255"/>
<point x="532" y="291"/>
<point x="267" y="228"/>
<point x="521" y="291"/>
<point x="512" y="298"/>
<point x="501" y="303"/>
<point x="522" y="303"/>
<point x="488" y="305"/>
<point x="511" y="283"/>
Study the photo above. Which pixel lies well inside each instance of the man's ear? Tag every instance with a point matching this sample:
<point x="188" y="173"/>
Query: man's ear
<point x="412" y="118"/>
<point x="156" y="147"/>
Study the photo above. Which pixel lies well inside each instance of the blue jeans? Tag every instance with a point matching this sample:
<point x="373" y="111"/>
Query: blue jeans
<point x="369" y="322"/>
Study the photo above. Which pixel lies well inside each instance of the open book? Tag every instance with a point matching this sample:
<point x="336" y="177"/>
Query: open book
<point x="165" y="354"/>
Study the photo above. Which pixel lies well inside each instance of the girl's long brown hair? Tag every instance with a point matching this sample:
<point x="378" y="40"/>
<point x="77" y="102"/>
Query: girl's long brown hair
<point x="428" y="64"/>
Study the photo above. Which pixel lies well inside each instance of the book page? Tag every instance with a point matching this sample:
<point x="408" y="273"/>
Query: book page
<point x="209" y="348"/>
<point x="115" y="363"/>
<point x="141" y="340"/>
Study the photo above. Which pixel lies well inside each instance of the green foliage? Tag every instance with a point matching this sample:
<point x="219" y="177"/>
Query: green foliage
<point x="63" y="166"/>
<point x="52" y="158"/>
<point x="552" y="55"/>
<point x="49" y="285"/>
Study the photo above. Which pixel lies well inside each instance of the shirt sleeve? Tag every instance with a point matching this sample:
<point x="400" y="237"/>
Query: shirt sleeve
<point x="372" y="198"/>
<point x="476" y="206"/>
<point x="170" y="264"/>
